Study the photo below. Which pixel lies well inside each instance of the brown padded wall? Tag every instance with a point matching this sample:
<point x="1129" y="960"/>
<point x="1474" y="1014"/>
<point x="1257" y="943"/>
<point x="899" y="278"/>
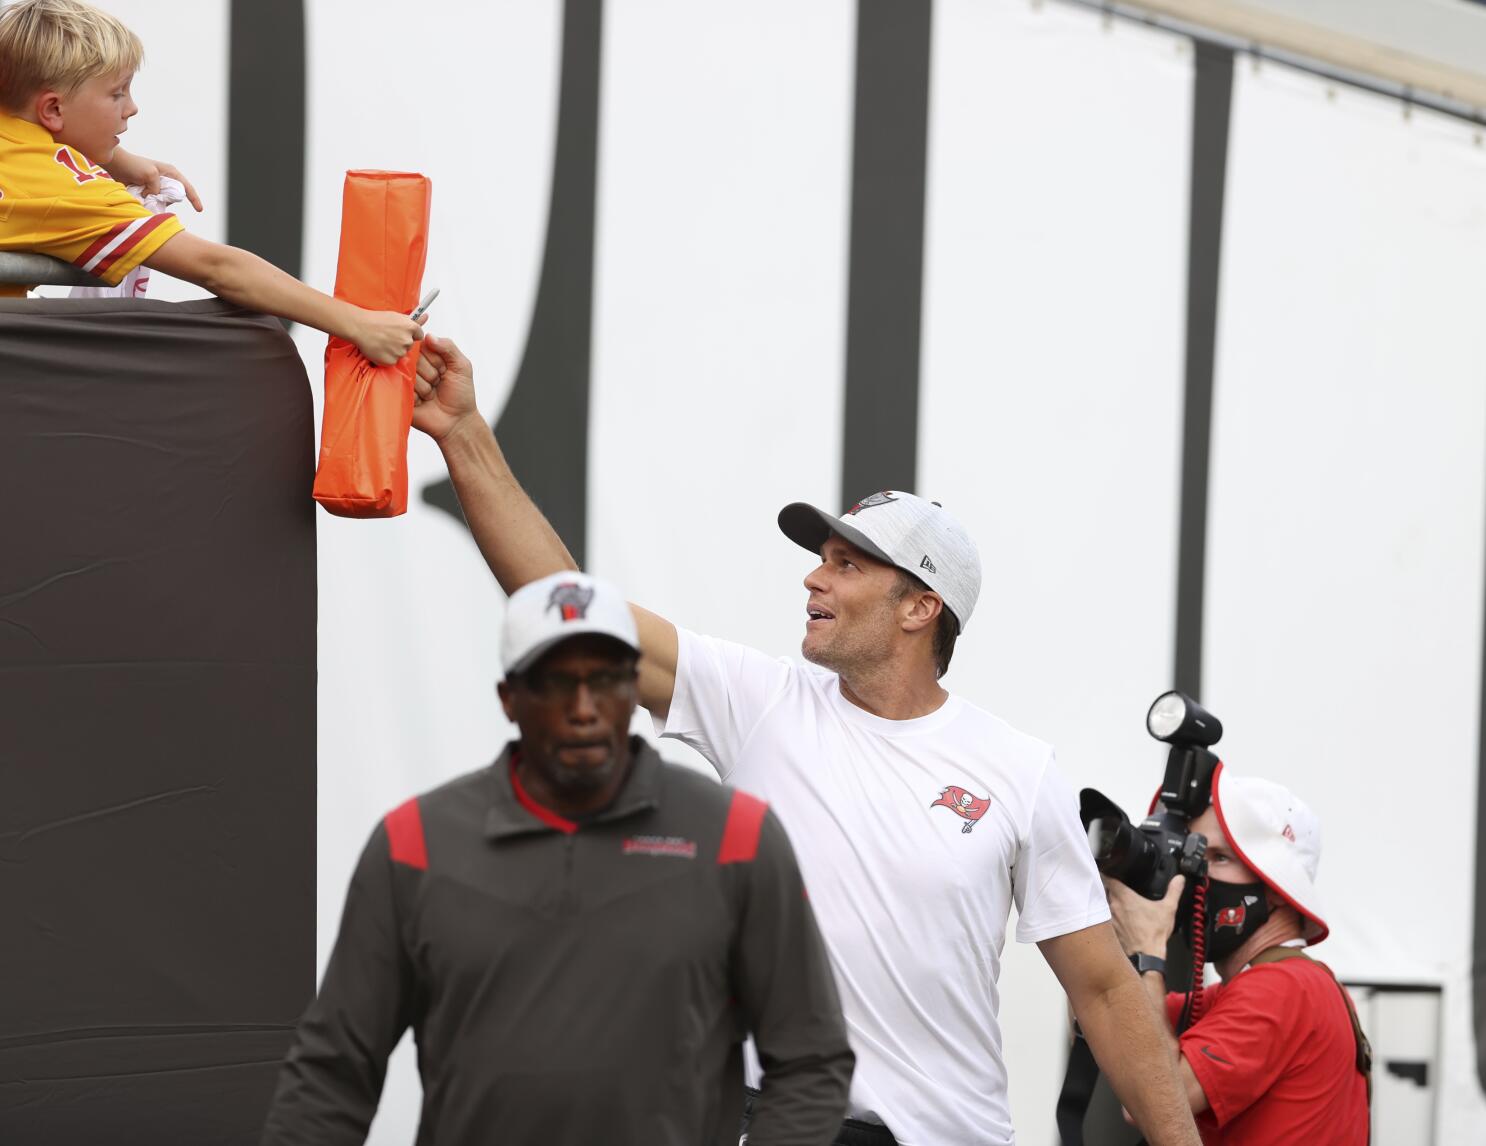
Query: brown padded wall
<point x="157" y="719"/>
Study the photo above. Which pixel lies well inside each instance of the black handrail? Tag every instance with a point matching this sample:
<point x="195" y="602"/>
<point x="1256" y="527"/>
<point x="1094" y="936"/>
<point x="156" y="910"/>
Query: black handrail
<point x="23" y="268"/>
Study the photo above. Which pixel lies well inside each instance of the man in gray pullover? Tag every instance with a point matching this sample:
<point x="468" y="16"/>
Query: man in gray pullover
<point x="580" y="935"/>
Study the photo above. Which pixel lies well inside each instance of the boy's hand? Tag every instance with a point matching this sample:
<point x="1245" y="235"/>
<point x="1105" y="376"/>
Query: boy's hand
<point x="385" y="336"/>
<point x="137" y="171"/>
<point x="444" y="391"/>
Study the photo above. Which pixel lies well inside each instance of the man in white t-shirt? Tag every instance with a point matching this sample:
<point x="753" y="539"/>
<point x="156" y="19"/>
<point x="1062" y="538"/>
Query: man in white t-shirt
<point x="917" y="818"/>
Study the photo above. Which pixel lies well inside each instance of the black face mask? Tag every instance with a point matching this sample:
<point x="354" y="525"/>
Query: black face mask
<point x="1234" y="912"/>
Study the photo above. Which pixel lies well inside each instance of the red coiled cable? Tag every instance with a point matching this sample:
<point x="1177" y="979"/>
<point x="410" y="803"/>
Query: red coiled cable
<point x="1199" y="948"/>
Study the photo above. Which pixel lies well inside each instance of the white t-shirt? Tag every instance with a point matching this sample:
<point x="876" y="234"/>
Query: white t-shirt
<point x="914" y="838"/>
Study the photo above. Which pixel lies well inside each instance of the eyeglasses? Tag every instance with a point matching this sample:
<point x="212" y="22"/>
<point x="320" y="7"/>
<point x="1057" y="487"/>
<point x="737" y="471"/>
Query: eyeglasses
<point x="563" y="686"/>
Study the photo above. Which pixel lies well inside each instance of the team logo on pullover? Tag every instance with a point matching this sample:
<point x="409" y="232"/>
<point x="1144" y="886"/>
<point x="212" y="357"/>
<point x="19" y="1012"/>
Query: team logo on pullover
<point x="968" y="807"/>
<point x="673" y="846"/>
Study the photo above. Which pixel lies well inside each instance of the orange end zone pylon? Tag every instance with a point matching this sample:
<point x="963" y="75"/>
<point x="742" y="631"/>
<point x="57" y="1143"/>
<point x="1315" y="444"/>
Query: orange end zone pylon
<point x="363" y="468"/>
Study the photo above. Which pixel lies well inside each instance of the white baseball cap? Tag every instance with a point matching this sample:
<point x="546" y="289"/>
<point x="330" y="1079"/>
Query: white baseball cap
<point x="918" y="536"/>
<point x="559" y="606"/>
<point x="1276" y="835"/>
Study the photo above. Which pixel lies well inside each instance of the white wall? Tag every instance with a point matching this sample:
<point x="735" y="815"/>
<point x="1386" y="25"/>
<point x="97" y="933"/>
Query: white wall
<point x="1052" y="399"/>
<point x="719" y="302"/>
<point x="1348" y="510"/>
<point x="408" y="614"/>
<point x="1345" y="565"/>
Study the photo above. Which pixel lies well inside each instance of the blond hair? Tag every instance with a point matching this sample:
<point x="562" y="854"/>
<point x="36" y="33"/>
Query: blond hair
<point x="59" y="45"/>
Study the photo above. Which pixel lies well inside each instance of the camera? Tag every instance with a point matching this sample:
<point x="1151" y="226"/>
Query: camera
<point x="1147" y="857"/>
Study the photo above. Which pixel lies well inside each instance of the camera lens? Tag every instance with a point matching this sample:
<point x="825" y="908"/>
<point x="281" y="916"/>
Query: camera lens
<point x="1122" y="851"/>
<point x="1100" y="839"/>
<point x="1104" y="840"/>
<point x="1111" y="841"/>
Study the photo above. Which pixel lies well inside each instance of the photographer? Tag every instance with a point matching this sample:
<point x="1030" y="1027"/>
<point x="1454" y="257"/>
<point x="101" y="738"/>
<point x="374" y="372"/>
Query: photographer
<point x="1273" y="1054"/>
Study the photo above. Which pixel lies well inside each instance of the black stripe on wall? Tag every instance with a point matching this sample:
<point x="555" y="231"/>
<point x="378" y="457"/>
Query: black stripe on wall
<point x="1212" y="98"/>
<point x="265" y="130"/>
<point x="1212" y="91"/>
<point x="885" y="303"/>
<point x="544" y="427"/>
<point x="1478" y="954"/>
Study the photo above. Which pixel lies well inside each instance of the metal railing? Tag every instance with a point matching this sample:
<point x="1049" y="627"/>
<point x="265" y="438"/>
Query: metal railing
<point x="26" y="269"/>
<point x="1322" y="51"/>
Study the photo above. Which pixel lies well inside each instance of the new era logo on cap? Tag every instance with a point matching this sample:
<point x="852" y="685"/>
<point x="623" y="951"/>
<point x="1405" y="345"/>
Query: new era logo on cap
<point x="900" y="529"/>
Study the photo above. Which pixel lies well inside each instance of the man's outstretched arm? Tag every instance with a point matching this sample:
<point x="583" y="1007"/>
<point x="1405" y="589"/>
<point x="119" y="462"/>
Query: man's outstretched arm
<point x="1127" y="1034"/>
<point x="516" y="540"/>
<point x="1143" y="925"/>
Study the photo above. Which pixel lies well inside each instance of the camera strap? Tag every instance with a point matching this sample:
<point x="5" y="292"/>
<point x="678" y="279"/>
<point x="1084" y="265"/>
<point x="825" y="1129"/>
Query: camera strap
<point x="1078" y="1089"/>
<point x="1083" y="1072"/>
<point x="1364" y="1048"/>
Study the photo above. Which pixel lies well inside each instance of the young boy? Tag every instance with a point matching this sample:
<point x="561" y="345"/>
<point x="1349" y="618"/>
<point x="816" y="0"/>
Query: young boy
<point x="65" y="73"/>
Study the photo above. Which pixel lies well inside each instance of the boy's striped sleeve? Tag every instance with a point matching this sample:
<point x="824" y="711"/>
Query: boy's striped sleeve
<point x="126" y="244"/>
<point x="91" y="221"/>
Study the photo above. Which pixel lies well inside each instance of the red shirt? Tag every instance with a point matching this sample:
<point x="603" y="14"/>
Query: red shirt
<point x="1275" y="1055"/>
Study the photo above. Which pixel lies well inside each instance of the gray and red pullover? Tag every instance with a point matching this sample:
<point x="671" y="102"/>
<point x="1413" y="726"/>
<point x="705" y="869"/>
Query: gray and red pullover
<point x="574" y="983"/>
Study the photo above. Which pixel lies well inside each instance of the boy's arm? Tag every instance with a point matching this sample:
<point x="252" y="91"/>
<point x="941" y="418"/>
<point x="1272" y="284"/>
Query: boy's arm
<point x="384" y="336"/>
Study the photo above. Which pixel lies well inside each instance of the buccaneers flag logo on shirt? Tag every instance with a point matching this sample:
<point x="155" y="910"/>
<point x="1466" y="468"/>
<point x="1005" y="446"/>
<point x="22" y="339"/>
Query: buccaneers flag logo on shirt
<point x="968" y="807"/>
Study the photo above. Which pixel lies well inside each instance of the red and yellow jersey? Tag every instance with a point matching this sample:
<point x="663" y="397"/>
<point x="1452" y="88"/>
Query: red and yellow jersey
<point x="55" y="202"/>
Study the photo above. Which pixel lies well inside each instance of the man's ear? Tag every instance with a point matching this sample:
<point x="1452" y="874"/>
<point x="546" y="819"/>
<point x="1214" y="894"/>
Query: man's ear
<point x="507" y="700"/>
<point x="49" y="111"/>
<point x="923" y="611"/>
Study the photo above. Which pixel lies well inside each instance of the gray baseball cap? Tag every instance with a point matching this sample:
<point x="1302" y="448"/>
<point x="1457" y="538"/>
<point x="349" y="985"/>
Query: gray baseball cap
<point x="918" y="536"/>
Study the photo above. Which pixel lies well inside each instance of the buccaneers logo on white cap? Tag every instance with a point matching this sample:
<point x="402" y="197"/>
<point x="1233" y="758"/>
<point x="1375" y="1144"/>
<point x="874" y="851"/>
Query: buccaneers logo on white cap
<point x="571" y="600"/>
<point x="876" y="499"/>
